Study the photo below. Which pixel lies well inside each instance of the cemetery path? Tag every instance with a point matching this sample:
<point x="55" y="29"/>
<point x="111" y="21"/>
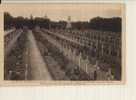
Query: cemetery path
<point x="39" y="68"/>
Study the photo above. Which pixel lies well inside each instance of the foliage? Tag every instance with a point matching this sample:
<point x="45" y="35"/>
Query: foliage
<point x="97" y="23"/>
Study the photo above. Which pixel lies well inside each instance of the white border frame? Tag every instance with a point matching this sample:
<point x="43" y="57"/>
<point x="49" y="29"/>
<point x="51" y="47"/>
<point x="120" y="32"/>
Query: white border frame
<point x="88" y="92"/>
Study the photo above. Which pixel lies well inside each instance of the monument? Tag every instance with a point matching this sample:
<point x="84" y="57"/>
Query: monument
<point x="69" y="26"/>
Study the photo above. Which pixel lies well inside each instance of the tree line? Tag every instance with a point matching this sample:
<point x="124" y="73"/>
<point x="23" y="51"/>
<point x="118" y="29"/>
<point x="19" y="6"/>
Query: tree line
<point x="98" y="23"/>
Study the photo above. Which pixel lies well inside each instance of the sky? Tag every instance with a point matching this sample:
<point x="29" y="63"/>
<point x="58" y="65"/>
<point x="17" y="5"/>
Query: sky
<point x="56" y="12"/>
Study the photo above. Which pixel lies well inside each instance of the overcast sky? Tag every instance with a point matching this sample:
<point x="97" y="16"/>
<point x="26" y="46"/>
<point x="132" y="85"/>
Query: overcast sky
<point x="78" y="12"/>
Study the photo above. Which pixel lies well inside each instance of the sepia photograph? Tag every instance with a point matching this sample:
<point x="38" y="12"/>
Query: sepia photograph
<point x="64" y="42"/>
